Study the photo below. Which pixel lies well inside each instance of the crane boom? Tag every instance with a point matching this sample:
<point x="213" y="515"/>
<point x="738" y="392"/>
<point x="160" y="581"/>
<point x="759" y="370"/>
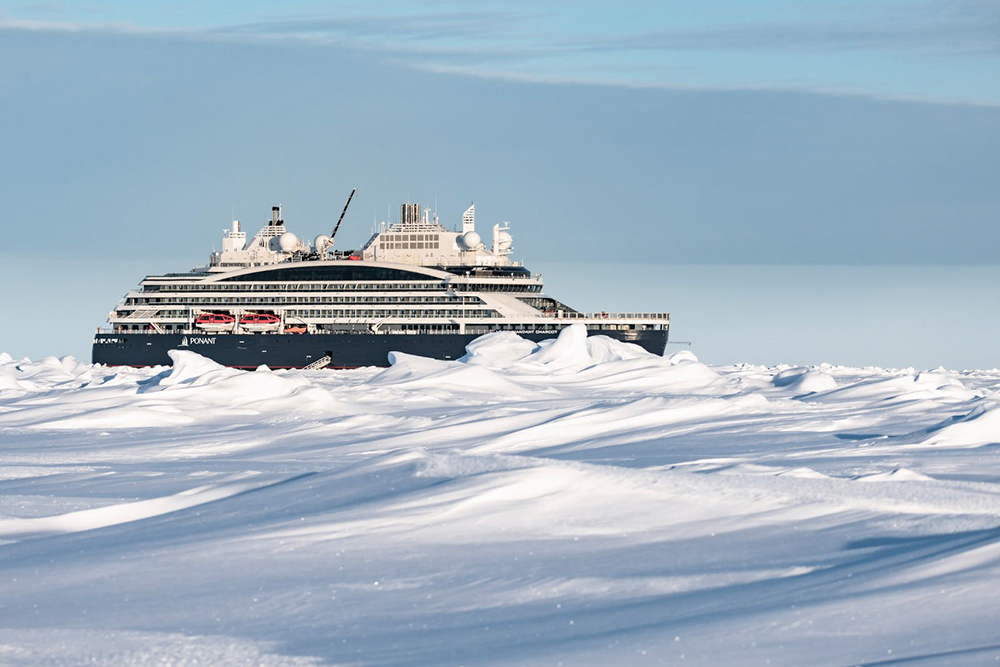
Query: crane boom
<point x="342" y="214"/>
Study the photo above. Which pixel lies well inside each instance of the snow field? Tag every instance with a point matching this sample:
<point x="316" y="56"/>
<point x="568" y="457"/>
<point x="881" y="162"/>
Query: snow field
<point x="577" y="501"/>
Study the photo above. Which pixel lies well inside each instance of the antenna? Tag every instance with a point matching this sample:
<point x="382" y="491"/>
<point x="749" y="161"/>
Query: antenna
<point x="342" y="214"/>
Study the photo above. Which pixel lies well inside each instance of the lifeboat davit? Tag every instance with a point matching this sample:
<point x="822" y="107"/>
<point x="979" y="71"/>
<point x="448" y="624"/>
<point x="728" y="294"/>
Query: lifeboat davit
<point x="214" y="321"/>
<point x="260" y="322"/>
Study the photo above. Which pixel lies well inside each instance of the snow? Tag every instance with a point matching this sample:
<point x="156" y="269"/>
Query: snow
<point x="576" y="501"/>
<point x="804" y="380"/>
<point x="981" y="426"/>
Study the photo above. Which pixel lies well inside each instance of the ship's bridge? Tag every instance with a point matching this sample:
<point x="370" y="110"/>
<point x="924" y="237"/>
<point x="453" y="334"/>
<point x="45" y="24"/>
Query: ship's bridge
<point x="421" y="240"/>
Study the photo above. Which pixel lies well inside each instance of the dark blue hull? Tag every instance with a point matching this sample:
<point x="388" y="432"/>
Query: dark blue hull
<point x="347" y="350"/>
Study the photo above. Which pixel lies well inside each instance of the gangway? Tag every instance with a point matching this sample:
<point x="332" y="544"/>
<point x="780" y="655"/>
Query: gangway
<point x="322" y="362"/>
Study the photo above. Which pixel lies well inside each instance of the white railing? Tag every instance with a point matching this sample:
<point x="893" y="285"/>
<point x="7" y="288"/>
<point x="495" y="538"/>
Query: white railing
<point x="603" y="315"/>
<point x="495" y="321"/>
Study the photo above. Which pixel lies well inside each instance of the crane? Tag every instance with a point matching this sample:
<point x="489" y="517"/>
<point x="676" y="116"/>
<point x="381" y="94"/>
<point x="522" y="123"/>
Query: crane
<point x="324" y="243"/>
<point x="342" y="214"/>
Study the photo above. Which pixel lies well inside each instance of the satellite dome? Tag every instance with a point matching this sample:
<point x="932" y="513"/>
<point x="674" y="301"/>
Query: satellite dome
<point x="288" y="242"/>
<point x="320" y="242"/>
<point x="504" y="239"/>
<point x="470" y="240"/>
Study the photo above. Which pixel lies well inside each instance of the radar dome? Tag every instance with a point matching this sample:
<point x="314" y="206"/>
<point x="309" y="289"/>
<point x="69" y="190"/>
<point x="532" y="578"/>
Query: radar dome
<point x="471" y="240"/>
<point x="504" y="239"/>
<point x="288" y="241"/>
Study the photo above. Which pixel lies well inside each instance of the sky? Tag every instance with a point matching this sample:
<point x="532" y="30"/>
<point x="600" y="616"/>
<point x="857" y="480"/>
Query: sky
<point x="646" y="136"/>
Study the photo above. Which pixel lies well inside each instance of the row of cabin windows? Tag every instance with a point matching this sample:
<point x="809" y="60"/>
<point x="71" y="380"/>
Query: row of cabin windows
<point x="412" y="245"/>
<point x="431" y="328"/>
<point x="470" y="313"/>
<point x="395" y="237"/>
<point x="342" y="287"/>
<point x="409" y="328"/>
<point x="293" y="287"/>
<point x="142" y="301"/>
<point x="421" y="328"/>
<point x="362" y="312"/>
<point x="498" y="287"/>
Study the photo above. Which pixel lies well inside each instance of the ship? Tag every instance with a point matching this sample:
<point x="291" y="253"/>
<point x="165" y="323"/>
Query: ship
<point x="415" y="287"/>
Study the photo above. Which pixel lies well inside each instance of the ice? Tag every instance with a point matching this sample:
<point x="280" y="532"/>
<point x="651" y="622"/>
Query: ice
<point x="577" y="500"/>
<point x="897" y="475"/>
<point x="413" y="372"/>
<point x="935" y="386"/>
<point x="571" y="350"/>
<point x="190" y="368"/>
<point x="498" y="350"/>
<point x="804" y="380"/>
<point x="112" y="515"/>
<point x="980" y="426"/>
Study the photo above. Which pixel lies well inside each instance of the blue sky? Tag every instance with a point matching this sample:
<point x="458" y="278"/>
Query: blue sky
<point x="935" y="50"/>
<point x="654" y="134"/>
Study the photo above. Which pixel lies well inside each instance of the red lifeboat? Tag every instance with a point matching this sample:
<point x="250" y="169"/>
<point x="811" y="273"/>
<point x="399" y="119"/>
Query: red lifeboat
<point x="260" y="322"/>
<point x="214" y="321"/>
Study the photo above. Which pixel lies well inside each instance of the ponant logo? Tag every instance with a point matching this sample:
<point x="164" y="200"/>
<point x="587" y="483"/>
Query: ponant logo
<point x="201" y="340"/>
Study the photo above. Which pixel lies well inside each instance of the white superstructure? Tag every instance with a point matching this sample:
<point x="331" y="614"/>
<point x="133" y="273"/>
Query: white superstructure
<point x="272" y="244"/>
<point x="418" y="239"/>
<point x="424" y="241"/>
<point x="412" y="276"/>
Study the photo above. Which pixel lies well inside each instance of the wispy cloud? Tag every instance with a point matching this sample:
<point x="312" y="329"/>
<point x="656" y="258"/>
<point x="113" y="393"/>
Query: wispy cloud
<point x="444" y="25"/>
<point x="527" y="45"/>
<point x="460" y="36"/>
<point x="832" y="91"/>
<point x="61" y="8"/>
<point x="431" y="38"/>
<point x="10" y="23"/>
<point x="958" y="28"/>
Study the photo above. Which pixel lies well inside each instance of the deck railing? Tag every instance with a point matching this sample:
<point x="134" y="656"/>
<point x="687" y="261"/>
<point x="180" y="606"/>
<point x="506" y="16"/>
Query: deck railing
<point x="563" y="315"/>
<point x="526" y="323"/>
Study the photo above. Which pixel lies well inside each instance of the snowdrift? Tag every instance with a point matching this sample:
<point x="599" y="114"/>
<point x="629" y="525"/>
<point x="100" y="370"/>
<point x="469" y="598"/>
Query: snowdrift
<point x="931" y="386"/>
<point x="978" y="427"/>
<point x="572" y="350"/>
<point x="804" y="380"/>
<point x="574" y="500"/>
